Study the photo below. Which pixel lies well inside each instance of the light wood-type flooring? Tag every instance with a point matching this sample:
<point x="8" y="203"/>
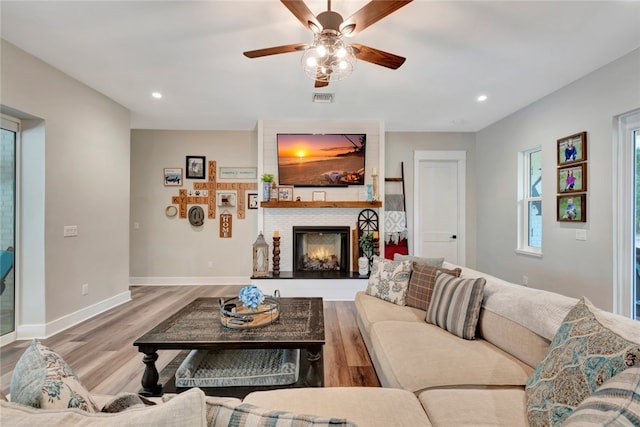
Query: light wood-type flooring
<point x="101" y="352"/>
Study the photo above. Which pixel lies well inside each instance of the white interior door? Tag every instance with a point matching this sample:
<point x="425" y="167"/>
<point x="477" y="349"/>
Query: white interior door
<point x="439" y="213"/>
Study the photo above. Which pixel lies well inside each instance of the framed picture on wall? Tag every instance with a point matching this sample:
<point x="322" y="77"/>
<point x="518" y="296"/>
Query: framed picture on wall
<point x="572" y="178"/>
<point x="572" y="208"/>
<point x="196" y="167"/>
<point x="252" y="200"/>
<point x="173" y="177"/>
<point x="572" y="148"/>
<point x="285" y="193"/>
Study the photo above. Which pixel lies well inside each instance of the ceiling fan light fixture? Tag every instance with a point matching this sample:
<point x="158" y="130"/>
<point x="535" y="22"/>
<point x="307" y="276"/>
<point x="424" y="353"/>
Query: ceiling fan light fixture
<point x="328" y="58"/>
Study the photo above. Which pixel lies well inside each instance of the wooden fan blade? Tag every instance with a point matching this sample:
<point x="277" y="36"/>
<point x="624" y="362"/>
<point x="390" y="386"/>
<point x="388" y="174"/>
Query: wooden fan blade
<point x="369" y="14"/>
<point x="378" y="57"/>
<point x="320" y="83"/>
<point x="288" y="48"/>
<point x="304" y="15"/>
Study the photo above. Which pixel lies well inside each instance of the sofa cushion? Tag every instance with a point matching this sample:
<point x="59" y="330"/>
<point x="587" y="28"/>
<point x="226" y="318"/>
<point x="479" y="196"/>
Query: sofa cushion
<point x="512" y="337"/>
<point x="431" y="262"/>
<point x="616" y="402"/>
<point x="421" y="283"/>
<point x="365" y="406"/>
<point x="455" y="304"/>
<point x="582" y="356"/>
<point x="476" y="407"/>
<point x="417" y="356"/>
<point x="389" y="280"/>
<point x="370" y="310"/>
<point x="42" y="379"/>
<point x="186" y="409"/>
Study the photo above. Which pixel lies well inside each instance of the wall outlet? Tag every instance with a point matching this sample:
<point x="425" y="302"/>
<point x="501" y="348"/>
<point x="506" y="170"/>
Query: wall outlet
<point x="210" y="264"/>
<point x="525" y="280"/>
<point x="85" y="289"/>
<point x="70" y="231"/>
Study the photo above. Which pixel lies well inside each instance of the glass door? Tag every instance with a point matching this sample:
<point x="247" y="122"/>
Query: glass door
<point x="635" y="293"/>
<point x="8" y="144"/>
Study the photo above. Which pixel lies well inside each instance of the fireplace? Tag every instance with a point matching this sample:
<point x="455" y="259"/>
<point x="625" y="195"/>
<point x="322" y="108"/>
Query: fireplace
<point x="321" y="248"/>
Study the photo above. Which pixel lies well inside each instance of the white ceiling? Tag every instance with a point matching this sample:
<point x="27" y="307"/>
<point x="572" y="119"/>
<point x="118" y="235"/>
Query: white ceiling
<point x="514" y="52"/>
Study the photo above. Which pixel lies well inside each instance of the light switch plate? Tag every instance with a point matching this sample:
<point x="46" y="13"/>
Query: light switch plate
<point x="70" y="231"/>
<point x="581" y="234"/>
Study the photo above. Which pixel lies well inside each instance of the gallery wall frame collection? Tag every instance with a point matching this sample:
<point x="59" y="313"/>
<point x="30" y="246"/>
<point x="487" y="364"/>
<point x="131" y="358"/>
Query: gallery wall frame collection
<point x="571" y="203"/>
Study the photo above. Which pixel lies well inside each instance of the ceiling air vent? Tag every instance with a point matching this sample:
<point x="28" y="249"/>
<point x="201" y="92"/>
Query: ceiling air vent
<point x="323" y="97"/>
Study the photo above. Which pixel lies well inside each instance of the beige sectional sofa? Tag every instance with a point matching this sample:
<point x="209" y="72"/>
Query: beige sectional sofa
<point x="430" y="377"/>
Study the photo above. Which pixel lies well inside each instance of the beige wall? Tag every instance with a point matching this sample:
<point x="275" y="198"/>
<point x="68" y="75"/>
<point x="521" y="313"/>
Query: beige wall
<point x="77" y="142"/>
<point x="568" y="266"/>
<point x="170" y="248"/>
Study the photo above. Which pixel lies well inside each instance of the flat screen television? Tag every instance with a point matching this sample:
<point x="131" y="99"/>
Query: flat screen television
<point x="321" y="160"/>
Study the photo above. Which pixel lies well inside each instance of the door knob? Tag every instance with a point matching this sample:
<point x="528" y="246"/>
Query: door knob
<point x="454" y="237"/>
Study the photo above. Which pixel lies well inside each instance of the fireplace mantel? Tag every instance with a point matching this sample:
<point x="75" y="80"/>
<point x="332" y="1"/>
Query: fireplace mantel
<point x="336" y="204"/>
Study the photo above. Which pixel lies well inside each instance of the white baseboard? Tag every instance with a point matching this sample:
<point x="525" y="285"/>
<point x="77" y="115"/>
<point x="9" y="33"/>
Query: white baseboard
<point x="27" y="332"/>
<point x="188" y="281"/>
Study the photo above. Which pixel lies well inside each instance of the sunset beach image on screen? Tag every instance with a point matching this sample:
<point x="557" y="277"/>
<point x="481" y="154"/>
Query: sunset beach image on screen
<point x="321" y="160"/>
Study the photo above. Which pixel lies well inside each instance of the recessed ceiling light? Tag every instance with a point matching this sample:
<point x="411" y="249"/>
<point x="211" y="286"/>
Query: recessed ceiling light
<point x="156" y="95"/>
<point x="482" y="98"/>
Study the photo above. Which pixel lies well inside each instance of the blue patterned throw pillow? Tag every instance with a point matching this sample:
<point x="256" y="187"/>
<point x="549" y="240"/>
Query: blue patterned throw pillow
<point x="41" y="379"/>
<point x="582" y="356"/>
<point x="389" y="280"/>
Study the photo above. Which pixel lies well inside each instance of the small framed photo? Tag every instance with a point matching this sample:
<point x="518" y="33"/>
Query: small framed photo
<point x="285" y="193"/>
<point x="196" y="167"/>
<point x="572" y="149"/>
<point x="572" y="208"/>
<point x="319" y="196"/>
<point x="252" y="200"/>
<point x="173" y="177"/>
<point x="572" y="178"/>
<point x="226" y="199"/>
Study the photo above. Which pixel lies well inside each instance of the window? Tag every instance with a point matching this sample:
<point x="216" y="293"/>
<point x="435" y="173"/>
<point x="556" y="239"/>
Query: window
<point x="530" y="202"/>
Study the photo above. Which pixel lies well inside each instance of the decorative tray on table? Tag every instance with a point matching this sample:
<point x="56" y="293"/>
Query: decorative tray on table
<point x="234" y="315"/>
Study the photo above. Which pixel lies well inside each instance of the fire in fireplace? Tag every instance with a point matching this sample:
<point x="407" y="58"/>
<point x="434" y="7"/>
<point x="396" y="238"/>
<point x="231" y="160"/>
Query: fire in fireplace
<point x="321" y="248"/>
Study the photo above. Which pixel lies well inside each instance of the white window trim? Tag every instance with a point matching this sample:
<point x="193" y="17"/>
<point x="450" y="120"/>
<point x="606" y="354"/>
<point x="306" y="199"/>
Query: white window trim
<point x="13" y="124"/>
<point x="523" y="247"/>
<point x="623" y="207"/>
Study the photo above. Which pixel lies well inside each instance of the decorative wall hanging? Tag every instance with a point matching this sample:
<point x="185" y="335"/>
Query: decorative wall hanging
<point x="226" y="199"/>
<point x="571" y="204"/>
<point x="572" y="178"/>
<point x="238" y="173"/>
<point x="226" y="225"/>
<point x="196" y="216"/>
<point x="572" y="208"/>
<point x="171" y="211"/>
<point x="252" y="200"/>
<point x="572" y="148"/>
<point x="208" y="194"/>
<point x="196" y="167"/>
<point x="173" y="177"/>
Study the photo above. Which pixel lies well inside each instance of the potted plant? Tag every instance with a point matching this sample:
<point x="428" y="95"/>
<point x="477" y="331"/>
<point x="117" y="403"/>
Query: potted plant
<point x="267" y="179"/>
<point x="366" y="245"/>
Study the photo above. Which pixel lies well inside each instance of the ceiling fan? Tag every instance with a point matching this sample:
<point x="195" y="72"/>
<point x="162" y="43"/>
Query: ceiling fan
<point x="329" y="58"/>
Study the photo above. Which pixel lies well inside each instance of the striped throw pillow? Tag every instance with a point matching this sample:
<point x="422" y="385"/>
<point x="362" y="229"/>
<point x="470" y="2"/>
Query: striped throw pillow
<point x="455" y="304"/>
<point x="614" y="403"/>
<point x="223" y="412"/>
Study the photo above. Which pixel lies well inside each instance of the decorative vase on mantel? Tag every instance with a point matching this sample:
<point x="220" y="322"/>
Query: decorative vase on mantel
<point x="267" y="180"/>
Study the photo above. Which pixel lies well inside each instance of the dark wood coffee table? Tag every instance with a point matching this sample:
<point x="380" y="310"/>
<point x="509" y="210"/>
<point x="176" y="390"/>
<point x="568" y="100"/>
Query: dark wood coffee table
<point x="197" y="326"/>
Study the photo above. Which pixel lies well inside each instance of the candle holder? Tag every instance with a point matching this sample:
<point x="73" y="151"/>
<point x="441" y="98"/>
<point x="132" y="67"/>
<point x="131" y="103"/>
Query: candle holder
<point x="374" y="181"/>
<point x="276" y="255"/>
